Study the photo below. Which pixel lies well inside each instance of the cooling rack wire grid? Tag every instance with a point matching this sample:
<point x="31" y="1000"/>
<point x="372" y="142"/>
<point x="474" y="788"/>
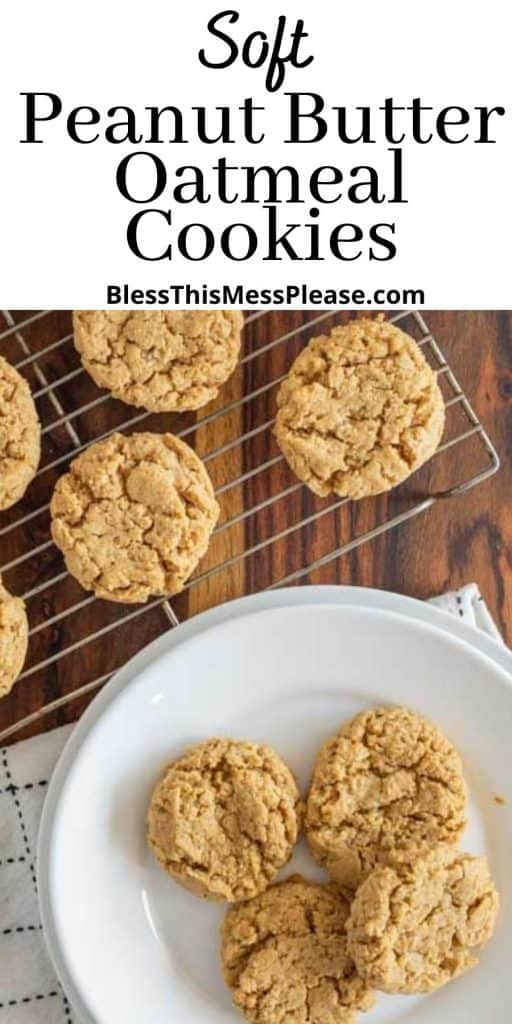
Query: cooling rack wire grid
<point x="272" y="532"/>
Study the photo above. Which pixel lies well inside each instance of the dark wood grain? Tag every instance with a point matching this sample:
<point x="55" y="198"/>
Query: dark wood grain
<point x="458" y="540"/>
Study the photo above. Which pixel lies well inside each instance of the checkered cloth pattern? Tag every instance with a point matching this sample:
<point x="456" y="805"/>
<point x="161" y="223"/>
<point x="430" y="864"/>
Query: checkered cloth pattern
<point x="29" y="991"/>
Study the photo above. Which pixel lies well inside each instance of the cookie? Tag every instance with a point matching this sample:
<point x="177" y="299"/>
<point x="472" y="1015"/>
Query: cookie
<point x="160" y="361"/>
<point x="13" y="639"/>
<point x="133" y="516"/>
<point x="285" y="957"/>
<point x="414" y="927"/>
<point x="225" y="818"/>
<point x="20" y="435"/>
<point x="359" y="411"/>
<point x="388" y="783"/>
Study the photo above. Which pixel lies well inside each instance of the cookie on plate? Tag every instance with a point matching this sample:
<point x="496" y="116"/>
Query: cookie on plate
<point x="160" y="361"/>
<point x="13" y="639"/>
<point x="415" y="926"/>
<point x="359" y="411"/>
<point x="225" y="818"/>
<point x="285" y="957"/>
<point x="20" y="435"/>
<point x="133" y="516"/>
<point x="388" y="784"/>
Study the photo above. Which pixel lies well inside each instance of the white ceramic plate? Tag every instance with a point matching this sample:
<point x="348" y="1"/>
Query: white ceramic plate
<point x="286" y="669"/>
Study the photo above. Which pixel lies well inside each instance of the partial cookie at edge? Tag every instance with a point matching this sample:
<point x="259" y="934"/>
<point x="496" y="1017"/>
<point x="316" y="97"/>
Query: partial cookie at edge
<point x="13" y="639"/>
<point x="20" y="435"/>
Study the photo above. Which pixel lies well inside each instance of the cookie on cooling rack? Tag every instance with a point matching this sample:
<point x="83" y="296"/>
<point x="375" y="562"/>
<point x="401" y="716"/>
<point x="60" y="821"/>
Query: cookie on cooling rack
<point x="390" y="784"/>
<point x="359" y="411"/>
<point x="285" y="957"/>
<point x="160" y="361"/>
<point x="13" y="639"/>
<point x="414" y="927"/>
<point x="224" y="819"/>
<point x="20" y="435"/>
<point x="133" y="516"/>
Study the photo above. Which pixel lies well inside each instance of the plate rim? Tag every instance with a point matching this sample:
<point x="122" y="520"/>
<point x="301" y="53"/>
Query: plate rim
<point x="337" y="595"/>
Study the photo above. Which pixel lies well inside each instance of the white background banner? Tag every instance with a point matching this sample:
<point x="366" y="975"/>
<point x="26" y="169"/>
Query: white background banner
<point x="117" y="197"/>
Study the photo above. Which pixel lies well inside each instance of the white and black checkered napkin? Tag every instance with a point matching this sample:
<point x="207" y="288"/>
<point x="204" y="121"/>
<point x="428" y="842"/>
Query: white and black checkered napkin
<point x="29" y="990"/>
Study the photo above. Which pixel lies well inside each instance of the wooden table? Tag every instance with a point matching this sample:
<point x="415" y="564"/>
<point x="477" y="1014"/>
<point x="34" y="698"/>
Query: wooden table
<point x="458" y="540"/>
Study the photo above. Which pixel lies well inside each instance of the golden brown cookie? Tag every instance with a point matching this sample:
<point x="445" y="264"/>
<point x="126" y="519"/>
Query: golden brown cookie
<point x="133" y="516"/>
<point x="162" y="361"/>
<point x="389" y="783"/>
<point x="20" y="435"/>
<point x="13" y="639"/>
<point x="416" y="926"/>
<point x="359" y="411"/>
<point x="285" y="957"/>
<point x="225" y="818"/>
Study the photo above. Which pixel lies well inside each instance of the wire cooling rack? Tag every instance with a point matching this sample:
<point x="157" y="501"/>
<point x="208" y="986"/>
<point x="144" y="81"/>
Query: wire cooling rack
<point x="272" y="531"/>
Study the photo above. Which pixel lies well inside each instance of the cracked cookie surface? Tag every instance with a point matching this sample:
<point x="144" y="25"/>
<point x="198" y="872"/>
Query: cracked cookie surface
<point x="414" y="927"/>
<point x="284" y="956"/>
<point x="160" y="361"/>
<point x="13" y="639"/>
<point x="133" y="516"/>
<point x="388" y="784"/>
<point x="359" y="411"/>
<point x="224" y="819"/>
<point x="20" y="435"/>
